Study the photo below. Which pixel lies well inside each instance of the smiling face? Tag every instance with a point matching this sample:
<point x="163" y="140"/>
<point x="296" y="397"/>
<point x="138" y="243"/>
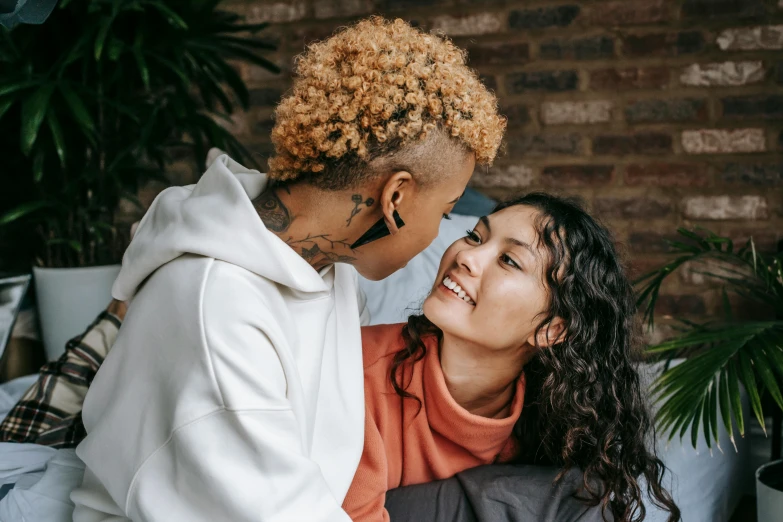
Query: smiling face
<point x="490" y="289"/>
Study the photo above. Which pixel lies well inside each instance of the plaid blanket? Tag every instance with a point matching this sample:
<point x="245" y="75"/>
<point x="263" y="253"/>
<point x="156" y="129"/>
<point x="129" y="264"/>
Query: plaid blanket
<point x="50" y="412"/>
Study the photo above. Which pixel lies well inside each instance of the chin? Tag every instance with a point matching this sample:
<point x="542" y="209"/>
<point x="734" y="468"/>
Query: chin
<point x="437" y="315"/>
<point x="376" y="273"/>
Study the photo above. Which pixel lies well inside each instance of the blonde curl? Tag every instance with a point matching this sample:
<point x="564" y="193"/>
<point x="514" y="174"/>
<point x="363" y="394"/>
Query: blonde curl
<point x="372" y="89"/>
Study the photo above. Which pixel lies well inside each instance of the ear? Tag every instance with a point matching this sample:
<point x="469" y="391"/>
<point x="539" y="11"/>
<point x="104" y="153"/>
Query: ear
<point x="394" y="191"/>
<point x="550" y="334"/>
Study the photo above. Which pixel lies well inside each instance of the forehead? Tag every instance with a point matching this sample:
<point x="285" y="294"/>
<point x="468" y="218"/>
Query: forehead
<point x="519" y="222"/>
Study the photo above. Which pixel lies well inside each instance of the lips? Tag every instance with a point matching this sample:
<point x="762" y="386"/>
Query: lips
<point x="457" y="290"/>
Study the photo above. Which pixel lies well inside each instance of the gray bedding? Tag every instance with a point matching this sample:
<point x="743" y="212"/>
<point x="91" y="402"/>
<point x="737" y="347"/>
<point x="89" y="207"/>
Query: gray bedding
<point x="495" y="493"/>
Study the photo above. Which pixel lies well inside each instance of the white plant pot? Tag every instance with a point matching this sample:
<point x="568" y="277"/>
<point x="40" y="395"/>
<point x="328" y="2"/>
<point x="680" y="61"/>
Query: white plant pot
<point x="769" y="492"/>
<point x="69" y="299"/>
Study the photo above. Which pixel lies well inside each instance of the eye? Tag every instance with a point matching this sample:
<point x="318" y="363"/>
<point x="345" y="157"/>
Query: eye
<point x="472" y="236"/>
<point x="446" y="216"/>
<point x="508" y="261"/>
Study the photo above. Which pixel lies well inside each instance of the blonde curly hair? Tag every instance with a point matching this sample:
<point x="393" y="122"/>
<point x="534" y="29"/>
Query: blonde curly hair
<point x="371" y="90"/>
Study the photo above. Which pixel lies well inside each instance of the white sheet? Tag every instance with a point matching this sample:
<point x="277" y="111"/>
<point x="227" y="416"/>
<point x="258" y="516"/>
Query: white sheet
<point x="43" y="477"/>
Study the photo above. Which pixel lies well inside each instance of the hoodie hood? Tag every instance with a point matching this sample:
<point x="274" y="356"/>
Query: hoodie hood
<point x="213" y="218"/>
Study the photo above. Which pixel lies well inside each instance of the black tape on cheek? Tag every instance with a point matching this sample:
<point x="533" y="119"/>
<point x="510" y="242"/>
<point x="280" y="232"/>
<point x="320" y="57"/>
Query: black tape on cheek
<point x="377" y="231"/>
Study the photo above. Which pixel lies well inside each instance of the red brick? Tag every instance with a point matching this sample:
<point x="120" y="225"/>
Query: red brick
<point x="591" y="48"/>
<point x="517" y="114"/>
<point x="265" y="96"/>
<point x="506" y="176"/>
<point x="543" y="144"/>
<point x="467" y="25"/>
<point x="723" y="141"/>
<point x="651" y="242"/>
<point x="629" y="12"/>
<point x="667" y="175"/>
<point x="396" y="5"/>
<point x="149" y="191"/>
<point x="765" y="239"/>
<point x="663" y="44"/>
<point x="755" y="175"/>
<point x="764" y="107"/>
<point x="554" y="81"/>
<point x="654" y="111"/>
<point x="263" y="127"/>
<point x="278" y="12"/>
<point x="490" y="82"/>
<point x="632" y="207"/>
<point x="625" y="144"/>
<point x="577" y="175"/>
<point x="749" y="309"/>
<point x="559" y="16"/>
<point x="342" y="8"/>
<point x="630" y="78"/>
<point x="706" y="9"/>
<point x="680" y="305"/>
<point x="301" y="37"/>
<point x="639" y="267"/>
<point x="747" y="207"/>
<point x="498" y="54"/>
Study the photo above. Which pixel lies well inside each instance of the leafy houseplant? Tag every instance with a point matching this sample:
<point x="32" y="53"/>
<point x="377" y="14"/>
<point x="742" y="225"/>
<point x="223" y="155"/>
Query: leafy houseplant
<point x="94" y="101"/>
<point x="92" y="104"/>
<point x="721" y="356"/>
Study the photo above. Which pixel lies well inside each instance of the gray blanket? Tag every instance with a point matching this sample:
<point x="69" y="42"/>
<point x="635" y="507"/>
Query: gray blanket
<point x="494" y="494"/>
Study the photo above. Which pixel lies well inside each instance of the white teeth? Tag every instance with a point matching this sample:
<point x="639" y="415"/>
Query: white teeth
<point x="454" y="287"/>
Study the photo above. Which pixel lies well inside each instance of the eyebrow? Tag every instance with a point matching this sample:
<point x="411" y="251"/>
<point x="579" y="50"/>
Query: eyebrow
<point x="513" y="241"/>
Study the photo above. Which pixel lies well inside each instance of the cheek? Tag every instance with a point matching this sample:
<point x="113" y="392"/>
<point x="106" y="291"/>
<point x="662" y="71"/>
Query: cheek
<point x="515" y="302"/>
<point x="449" y="256"/>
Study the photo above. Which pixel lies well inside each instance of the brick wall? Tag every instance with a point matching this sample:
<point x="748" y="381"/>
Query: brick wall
<point x="658" y="113"/>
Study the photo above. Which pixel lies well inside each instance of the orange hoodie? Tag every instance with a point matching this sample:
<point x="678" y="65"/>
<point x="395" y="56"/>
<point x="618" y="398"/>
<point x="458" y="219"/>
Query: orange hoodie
<point x="404" y="446"/>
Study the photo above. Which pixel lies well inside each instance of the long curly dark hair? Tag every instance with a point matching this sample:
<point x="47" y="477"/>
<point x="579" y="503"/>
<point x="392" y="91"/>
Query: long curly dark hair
<point x="584" y="406"/>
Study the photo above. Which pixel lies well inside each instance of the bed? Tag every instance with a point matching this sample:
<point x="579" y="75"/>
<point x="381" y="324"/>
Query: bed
<point x="35" y="481"/>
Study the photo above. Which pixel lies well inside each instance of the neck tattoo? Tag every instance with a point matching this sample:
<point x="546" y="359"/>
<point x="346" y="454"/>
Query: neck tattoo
<point x="358" y="201"/>
<point x="272" y="211"/>
<point x="319" y="250"/>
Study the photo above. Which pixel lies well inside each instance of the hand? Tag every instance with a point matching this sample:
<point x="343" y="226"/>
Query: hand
<point x="118" y="309"/>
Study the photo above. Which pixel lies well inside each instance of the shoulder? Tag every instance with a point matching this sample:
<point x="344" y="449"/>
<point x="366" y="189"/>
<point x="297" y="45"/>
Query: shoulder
<point x="380" y="342"/>
<point x="232" y="285"/>
<point x="244" y="330"/>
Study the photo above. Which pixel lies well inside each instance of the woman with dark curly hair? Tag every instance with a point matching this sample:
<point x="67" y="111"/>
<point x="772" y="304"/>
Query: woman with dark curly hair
<point x="524" y="354"/>
<point x="234" y="390"/>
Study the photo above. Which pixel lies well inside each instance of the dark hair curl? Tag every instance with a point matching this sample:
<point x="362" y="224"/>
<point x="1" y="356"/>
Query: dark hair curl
<point x="584" y="406"/>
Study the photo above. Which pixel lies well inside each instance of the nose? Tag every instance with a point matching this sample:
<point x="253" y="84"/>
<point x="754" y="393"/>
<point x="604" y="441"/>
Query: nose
<point x="470" y="260"/>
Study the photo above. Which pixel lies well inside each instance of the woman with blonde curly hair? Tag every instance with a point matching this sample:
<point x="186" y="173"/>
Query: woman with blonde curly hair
<point x="234" y="390"/>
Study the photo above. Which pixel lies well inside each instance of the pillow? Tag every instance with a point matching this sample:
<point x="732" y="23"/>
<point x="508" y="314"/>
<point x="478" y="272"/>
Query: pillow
<point x="401" y="294"/>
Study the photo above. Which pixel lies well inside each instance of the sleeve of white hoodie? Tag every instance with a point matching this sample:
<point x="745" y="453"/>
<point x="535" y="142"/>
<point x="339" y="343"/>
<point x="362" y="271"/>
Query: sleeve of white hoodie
<point x="244" y="461"/>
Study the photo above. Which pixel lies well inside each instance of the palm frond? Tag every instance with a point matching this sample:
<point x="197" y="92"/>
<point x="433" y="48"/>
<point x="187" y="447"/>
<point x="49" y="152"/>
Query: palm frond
<point x="693" y="392"/>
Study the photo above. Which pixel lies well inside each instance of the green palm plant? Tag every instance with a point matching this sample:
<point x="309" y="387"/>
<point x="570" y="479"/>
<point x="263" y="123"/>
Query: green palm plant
<point x="95" y="100"/>
<point x="719" y="356"/>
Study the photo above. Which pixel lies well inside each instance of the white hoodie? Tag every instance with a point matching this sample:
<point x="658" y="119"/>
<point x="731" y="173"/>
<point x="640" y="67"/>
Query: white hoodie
<point x="234" y="390"/>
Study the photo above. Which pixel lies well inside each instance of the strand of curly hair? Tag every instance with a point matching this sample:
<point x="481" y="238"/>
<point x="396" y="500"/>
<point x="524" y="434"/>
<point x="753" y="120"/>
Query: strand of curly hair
<point x="584" y="406"/>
